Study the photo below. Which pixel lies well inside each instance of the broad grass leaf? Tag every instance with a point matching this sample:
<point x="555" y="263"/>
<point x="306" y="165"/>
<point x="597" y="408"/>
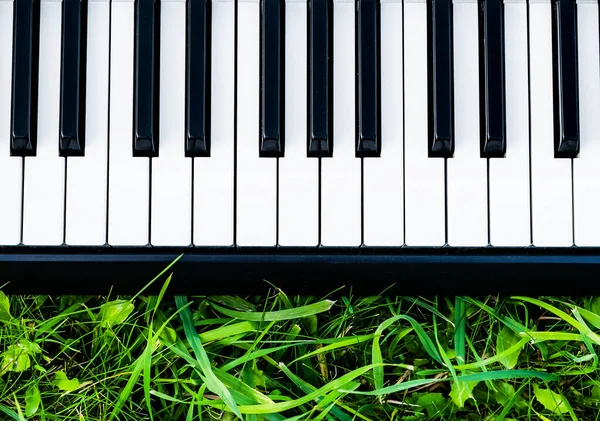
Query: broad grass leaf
<point x="32" y="400"/>
<point x="550" y="400"/>
<point x="434" y="403"/>
<point x="9" y="412"/>
<point x="4" y="307"/>
<point x="64" y="383"/>
<point x="591" y="316"/>
<point x="114" y="312"/>
<point x="269" y="316"/>
<point x="505" y="339"/>
<point x="461" y="391"/>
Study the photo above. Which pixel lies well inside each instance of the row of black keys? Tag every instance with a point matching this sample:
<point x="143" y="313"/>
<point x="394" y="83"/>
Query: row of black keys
<point x="272" y="92"/>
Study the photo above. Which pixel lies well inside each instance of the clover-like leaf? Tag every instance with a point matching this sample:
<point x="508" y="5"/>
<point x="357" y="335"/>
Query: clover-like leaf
<point x="15" y="358"/>
<point x="463" y="392"/>
<point x="552" y="401"/>
<point x="434" y="403"/>
<point x="64" y="383"/>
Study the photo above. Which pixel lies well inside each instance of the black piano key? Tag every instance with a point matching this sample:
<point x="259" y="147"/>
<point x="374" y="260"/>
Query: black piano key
<point x="272" y="92"/>
<point x="25" y="71"/>
<point x="146" y="85"/>
<point x="72" y="78"/>
<point x="197" y="115"/>
<point x="368" y="138"/>
<point x="320" y="78"/>
<point x="492" y="105"/>
<point x="566" y="94"/>
<point x="440" y="79"/>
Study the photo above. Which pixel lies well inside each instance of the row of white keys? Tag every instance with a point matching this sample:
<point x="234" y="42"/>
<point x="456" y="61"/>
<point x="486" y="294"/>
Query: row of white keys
<point x="171" y="198"/>
<point x="44" y="181"/>
<point x="298" y="175"/>
<point x="383" y="194"/>
<point x="256" y="177"/>
<point x="341" y="175"/>
<point x="10" y="166"/>
<point x="466" y="170"/>
<point x="424" y="177"/>
<point x="509" y="177"/>
<point x="87" y="175"/>
<point x="213" y="177"/>
<point x="586" y="171"/>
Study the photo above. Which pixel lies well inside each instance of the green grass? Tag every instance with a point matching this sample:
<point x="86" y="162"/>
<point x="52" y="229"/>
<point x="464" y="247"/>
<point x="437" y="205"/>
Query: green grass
<point x="298" y="358"/>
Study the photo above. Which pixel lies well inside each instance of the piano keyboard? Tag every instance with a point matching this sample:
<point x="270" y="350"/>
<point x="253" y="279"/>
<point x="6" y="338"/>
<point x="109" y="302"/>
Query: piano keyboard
<point x="295" y="123"/>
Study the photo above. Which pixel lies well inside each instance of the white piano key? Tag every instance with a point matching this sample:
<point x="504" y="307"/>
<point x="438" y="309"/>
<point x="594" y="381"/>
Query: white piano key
<point x="383" y="178"/>
<point x="128" y="187"/>
<point x="587" y="166"/>
<point x="425" y="210"/>
<point x="44" y="189"/>
<point x="11" y="175"/>
<point x="551" y="177"/>
<point x="509" y="176"/>
<point x="213" y="177"/>
<point x="171" y="216"/>
<point x="256" y="177"/>
<point x="341" y="174"/>
<point x="298" y="175"/>
<point x="467" y="171"/>
<point x="87" y="175"/>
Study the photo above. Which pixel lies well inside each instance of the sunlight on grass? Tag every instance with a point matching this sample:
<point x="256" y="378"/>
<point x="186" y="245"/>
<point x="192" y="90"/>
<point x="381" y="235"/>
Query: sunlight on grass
<point x="277" y="358"/>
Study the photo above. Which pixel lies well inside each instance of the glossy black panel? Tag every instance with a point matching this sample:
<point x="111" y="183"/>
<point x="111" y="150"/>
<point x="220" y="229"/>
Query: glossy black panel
<point x="320" y="78"/>
<point x="227" y="270"/>
<point x="146" y="86"/>
<point x="272" y="78"/>
<point x="440" y="79"/>
<point x="72" y="78"/>
<point x="197" y="114"/>
<point x="566" y="94"/>
<point x="368" y="78"/>
<point x="25" y="71"/>
<point x="492" y="105"/>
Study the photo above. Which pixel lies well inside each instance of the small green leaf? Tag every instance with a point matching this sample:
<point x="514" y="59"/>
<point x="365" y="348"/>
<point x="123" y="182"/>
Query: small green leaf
<point x="64" y="383"/>
<point x="462" y="391"/>
<point x="596" y="392"/>
<point x="168" y="335"/>
<point x="434" y="403"/>
<point x="30" y="347"/>
<point x="505" y="339"/>
<point x="32" y="400"/>
<point x="15" y="358"/>
<point x="114" y="312"/>
<point x="552" y="401"/>
<point x="4" y="307"/>
<point x="505" y="391"/>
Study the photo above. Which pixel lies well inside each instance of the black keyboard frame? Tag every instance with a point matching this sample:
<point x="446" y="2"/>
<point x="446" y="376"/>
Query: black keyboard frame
<point x="302" y="270"/>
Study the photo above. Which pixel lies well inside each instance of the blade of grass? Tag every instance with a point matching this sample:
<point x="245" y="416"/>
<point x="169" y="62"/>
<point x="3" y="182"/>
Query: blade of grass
<point x="288" y="314"/>
<point x="213" y="383"/>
